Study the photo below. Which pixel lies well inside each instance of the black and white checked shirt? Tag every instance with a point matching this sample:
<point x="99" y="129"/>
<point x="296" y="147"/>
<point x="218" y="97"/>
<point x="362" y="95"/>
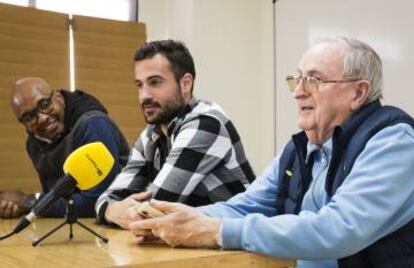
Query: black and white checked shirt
<point x="201" y="161"/>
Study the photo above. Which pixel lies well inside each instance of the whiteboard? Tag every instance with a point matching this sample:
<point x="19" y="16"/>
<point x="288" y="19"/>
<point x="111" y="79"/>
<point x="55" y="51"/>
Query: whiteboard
<point x="386" y="25"/>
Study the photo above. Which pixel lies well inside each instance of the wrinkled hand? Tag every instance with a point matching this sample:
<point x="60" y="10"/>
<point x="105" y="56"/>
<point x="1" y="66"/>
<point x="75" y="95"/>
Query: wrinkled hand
<point x="11" y="203"/>
<point x="183" y="226"/>
<point x="123" y="212"/>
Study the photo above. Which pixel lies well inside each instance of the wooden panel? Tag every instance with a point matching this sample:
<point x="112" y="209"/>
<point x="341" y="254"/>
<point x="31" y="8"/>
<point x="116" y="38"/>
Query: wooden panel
<point x="32" y="43"/>
<point x="104" y="52"/>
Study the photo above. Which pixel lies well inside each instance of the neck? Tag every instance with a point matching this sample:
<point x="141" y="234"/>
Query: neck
<point x="318" y="138"/>
<point x="164" y="129"/>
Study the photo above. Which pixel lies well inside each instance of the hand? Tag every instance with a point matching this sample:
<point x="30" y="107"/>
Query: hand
<point x="119" y="212"/>
<point x="11" y="203"/>
<point x="183" y="226"/>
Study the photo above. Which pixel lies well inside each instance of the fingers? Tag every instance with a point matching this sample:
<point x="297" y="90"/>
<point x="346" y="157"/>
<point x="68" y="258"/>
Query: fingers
<point x="145" y="224"/>
<point x="167" y="207"/>
<point x="140" y="236"/>
<point x="139" y="239"/>
<point x="3" y="205"/>
<point x="168" y="238"/>
<point x="141" y="196"/>
<point x="15" y="211"/>
<point x="133" y="215"/>
<point x="7" y="209"/>
<point x="142" y="232"/>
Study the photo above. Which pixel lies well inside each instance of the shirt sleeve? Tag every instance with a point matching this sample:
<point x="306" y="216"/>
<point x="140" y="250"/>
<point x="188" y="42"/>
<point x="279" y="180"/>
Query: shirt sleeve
<point x="199" y="147"/>
<point x="375" y="199"/>
<point x="97" y="128"/>
<point x="132" y="179"/>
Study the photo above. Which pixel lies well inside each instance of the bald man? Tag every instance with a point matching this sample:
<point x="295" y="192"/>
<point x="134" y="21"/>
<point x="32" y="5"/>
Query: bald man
<point x="57" y="122"/>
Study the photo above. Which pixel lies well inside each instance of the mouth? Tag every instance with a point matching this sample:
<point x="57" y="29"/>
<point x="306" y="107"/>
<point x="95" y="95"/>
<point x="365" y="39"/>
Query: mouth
<point x="150" y="108"/>
<point x="51" y="126"/>
<point x="304" y="109"/>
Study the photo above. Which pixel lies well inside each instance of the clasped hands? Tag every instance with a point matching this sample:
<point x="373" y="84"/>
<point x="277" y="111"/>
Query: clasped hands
<point x="182" y="226"/>
<point x="12" y="203"/>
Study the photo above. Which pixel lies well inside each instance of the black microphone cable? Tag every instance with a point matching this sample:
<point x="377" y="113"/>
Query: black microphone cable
<point x="7" y="235"/>
<point x="24" y="222"/>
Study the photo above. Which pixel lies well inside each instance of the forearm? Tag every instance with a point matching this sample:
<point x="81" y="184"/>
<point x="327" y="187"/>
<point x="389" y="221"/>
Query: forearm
<point x="124" y="185"/>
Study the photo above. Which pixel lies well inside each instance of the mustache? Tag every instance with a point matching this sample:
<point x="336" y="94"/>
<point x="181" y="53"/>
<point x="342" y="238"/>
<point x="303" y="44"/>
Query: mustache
<point x="150" y="102"/>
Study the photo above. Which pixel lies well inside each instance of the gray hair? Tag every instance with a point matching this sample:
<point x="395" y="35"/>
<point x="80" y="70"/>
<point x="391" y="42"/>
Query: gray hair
<point x="361" y="61"/>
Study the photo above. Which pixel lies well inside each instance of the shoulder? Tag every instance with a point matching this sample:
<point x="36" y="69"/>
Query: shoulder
<point x="93" y="118"/>
<point x="396" y="132"/>
<point x="205" y="115"/>
<point x="207" y="108"/>
<point x="95" y="121"/>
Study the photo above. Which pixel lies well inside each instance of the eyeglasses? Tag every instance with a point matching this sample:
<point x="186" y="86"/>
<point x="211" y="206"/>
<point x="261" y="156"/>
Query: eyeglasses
<point x="311" y="84"/>
<point x="44" y="106"/>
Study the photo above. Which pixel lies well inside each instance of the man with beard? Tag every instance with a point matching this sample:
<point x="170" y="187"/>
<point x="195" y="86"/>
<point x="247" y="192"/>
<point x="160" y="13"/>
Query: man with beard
<point x="190" y="151"/>
<point x="58" y="122"/>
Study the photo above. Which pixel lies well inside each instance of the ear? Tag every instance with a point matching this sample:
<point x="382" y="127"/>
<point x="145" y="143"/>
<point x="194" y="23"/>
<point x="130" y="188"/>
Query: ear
<point x="58" y="95"/>
<point x="60" y="101"/>
<point x="186" y="84"/>
<point x="361" y="93"/>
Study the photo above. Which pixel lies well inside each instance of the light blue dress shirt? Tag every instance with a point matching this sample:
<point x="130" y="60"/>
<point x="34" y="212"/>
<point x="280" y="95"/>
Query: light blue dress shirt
<point x="376" y="198"/>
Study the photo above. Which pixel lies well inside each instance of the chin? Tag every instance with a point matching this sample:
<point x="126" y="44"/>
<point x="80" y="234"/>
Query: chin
<point x="149" y="120"/>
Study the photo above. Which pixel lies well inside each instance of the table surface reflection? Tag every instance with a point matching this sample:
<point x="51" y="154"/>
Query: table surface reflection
<point x="86" y="250"/>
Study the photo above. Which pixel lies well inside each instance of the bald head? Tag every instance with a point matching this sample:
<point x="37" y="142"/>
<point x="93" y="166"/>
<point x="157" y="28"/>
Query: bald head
<point x="28" y="97"/>
<point x="26" y="89"/>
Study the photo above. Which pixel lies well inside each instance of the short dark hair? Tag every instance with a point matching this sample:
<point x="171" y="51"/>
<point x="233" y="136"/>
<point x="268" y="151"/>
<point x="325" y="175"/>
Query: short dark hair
<point x="175" y="51"/>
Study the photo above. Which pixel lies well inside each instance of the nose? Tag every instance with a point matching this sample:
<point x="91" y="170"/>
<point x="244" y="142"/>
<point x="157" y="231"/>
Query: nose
<point x="41" y="118"/>
<point x="144" y="93"/>
<point x="300" y="90"/>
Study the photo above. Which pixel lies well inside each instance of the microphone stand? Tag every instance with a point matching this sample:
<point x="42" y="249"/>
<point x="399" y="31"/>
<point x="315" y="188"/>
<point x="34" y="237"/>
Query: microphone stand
<point x="71" y="218"/>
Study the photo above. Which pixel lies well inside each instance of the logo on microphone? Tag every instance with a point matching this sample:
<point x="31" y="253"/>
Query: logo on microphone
<point x="98" y="170"/>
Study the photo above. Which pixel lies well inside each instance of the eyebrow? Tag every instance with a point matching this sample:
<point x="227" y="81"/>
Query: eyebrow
<point x="310" y="73"/>
<point x="37" y="103"/>
<point x="155" y="76"/>
<point x="149" y="78"/>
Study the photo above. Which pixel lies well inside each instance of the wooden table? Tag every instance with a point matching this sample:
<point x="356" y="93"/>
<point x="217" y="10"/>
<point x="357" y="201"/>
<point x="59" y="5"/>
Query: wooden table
<point x="85" y="250"/>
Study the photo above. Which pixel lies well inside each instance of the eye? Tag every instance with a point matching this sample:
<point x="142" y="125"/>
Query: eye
<point x="28" y="117"/>
<point x="156" y="81"/>
<point x="315" y="78"/>
<point x="44" y="104"/>
<point x="138" y="85"/>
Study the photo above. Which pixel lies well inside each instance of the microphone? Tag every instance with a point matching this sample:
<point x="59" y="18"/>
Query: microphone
<point x="84" y="168"/>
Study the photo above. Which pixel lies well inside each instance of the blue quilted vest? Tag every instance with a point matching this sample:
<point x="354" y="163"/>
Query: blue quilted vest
<point x="348" y="140"/>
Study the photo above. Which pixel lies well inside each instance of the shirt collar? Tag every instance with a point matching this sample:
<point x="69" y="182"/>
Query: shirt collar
<point x="325" y="148"/>
<point x="179" y="118"/>
<point x="176" y="121"/>
<point x="48" y="141"/>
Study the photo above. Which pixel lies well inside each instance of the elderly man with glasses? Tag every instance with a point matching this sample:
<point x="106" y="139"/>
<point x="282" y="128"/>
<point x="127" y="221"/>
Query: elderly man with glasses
<point x="341" y="192"/>
<point x="57" y="122"/>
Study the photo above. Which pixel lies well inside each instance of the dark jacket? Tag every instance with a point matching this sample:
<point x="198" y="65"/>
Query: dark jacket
<point x="85" y="121"/>
<point x="348" y="141"/>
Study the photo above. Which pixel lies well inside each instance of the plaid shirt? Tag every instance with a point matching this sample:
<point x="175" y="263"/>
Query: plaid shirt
<point x="201" y="161"/>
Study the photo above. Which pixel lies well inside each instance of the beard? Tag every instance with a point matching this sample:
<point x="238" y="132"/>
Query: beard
<point x="167" y="112"/>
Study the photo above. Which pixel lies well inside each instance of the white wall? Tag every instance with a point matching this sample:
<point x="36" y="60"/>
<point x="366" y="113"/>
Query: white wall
<point x="231" y="42"/>
<point x="385" y="25"/>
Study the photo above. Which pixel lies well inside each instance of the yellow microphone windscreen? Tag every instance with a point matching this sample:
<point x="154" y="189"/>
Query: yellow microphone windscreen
<point x="89" y="164"/>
